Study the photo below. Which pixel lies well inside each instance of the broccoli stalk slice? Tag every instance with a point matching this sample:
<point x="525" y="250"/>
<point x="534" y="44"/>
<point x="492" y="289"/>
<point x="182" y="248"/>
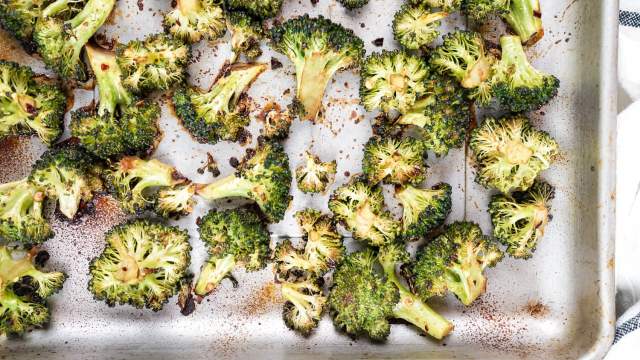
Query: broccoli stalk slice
<point x="108" y="75"/>
<point x="415" y="115"/>
<point x="213" y="272"/>
<point x="525" y="19"/>
<point x="56" y="8"/>
<point x="230" y="186"/>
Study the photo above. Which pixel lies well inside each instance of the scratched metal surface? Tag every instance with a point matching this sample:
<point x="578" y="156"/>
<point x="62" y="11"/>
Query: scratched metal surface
<point x="557" y="305"/>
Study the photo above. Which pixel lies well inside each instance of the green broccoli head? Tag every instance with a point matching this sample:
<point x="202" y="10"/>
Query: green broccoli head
<point x="518" y="85"/>
<point x="510" y="153"/>
<point x="234" y="238"/>
<point x="142" y="264"/>
<point x="360" y="208"/>
<point x="24" y="290"/>
<point x="392" y="80"/>
<point x="276" y="121"/>
<point x="220" y="113"/>
<point x="323" y="244"/>
<point x="519" y="220"/>
<point x="66" y="174"/>
<point x="423" y="209"/>
<point x="21" y="213"/>
<point x="445" y="5"/>
<point x="60" y="42"/>
<point x="353" y="4"/>
<point x="262" y="176"/>
<point x="141" y="185"/>
<point x="415" y="27"/>
<point x="394" y="161"/>
<point x="194" y="20"/>
<point x="19" y="18"/>
<point x="156" y="63"/>
<point x="315" y="176"/>
<point x="480" y="10"/>
<point x="304" y="304"/>
<point x="28" y="107"/>
<point x="262" y="9"/>
<point x="442" y="115"/>
<point x="463" y="56"/>
<point x="246" y="34"/>
<point x="455" y="261"/>
<point x="318" y="49"/>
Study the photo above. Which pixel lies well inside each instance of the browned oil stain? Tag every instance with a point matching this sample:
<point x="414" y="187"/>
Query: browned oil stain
<point x="263" y="301"/>
<point x="536" y="309"/>
<point x="564" y="12"/>
<point x="611" y="264"/>
<point x="16" y="158"/>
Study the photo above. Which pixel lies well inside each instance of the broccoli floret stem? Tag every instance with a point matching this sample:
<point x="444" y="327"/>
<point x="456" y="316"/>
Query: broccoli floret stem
<point x="108" y="76"/>
<point x="513" y="54"/>
<point x="231" y="186"/>
<point x="415" y="116"/>
<point x="313" y="76"/>
<point x="56" y="7"/>
<point x="290" y="291"/>
<point x="213" y="272"/>
<point x="524" y="18"/>
<point x="67" y="187"/>
<point x="189" y="6"/>
<point x="465" y="278"/>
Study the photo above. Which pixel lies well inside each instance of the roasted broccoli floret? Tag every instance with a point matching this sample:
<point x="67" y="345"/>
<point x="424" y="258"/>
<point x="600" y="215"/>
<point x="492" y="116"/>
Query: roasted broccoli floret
<point x="304" y="304"/>
<point x="142" y="264"/>
<point x="362" y="300"/>
<point x="220" y="113"/>
<point x="276" y="122"/>
<point x="60" y="42"/>
<point x="394" y="161"/>
<point x="19" y="18"/>
<point x="66" y="174"/>
<point x="246" y="34"/>
<point x="463" y="56"/>
<point x="263" y="176"/>
<point x="234" y="238"/>
<point x="156" y="63"/>
<point x="262" y="9"/>
<point x="519" y="220"/>
<point x="315" y="176"/>
<point x="361" y="209"/>
<point x="318" y="49"/>
<point x="194" y="20"/>
<point x="21" y="213"/>
<point x="455" y="261"/>
<point x="150" y="185"/>
<point x="443" y="115"/>
<point x="415" y="27"/>
<point x="423" y="209"/>
<point x="353" y="4"/>
<point x="523" y="16"/>
<point x="518" y="85"/>
<point x="444" y="5"/>
<point x="392" y="80"/>
<point x="510" y="153"/>
<point x="23" y="292"/>
<point x="27" y="106"/>
<point x="119" y="124"/>
<point x="479" y="10"/>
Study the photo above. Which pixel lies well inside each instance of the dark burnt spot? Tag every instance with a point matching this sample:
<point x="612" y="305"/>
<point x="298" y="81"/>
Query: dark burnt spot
<point x="275" y="64"/>
<point x="41" y="258"/>
<point x="379" y="42"/>
<point x="234" y="162"/>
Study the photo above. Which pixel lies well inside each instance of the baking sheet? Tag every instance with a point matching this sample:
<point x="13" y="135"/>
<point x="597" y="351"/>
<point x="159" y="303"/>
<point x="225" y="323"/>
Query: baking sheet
<point x="557" y="305"/>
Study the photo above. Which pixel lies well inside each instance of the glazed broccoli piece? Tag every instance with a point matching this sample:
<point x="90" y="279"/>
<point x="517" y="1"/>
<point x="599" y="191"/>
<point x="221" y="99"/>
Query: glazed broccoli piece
<point x="463" y="56"/>
<point x="519" y="220"/>
<point x="523" y="16"/>
<point x="423" y="209"/>
<point x="21" y="213"/>
<point x="234" y="238"/>
<point x="141" y="185"/>
<point x="142" y="264"/>
<point x="194" y="20"/>
<point x="443" y="115"/>
<point x="445" y="5"/>
<point x="276" y="121"/>
<point x="246" y="34"/>
<point x="510" y="153"/>
<point x="353" y="4"/>
<point x="394" y="161"/>
<point x="27" y="106"/>
<point x="66" y="174"/>
<point x="304" y="304"/>
<point x="262" y="176"/>
<point x="119" y="124"/>
<point x="415" y="27"/>
<point x="157" y="62"/>
<point x="318" y="48"/>
<point x="315" y="176"/>
<point x="361" y="209"/>
<point x="455" y="261"/>
<point x="220" y="113"/>
<point x="392" y="80"/>
<point x="262" y="9"/>
<point x="362" y="300"/>
<point x="518" y="85"/>
<point x="24" y="290"/>
<point x="60" y="42"/>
